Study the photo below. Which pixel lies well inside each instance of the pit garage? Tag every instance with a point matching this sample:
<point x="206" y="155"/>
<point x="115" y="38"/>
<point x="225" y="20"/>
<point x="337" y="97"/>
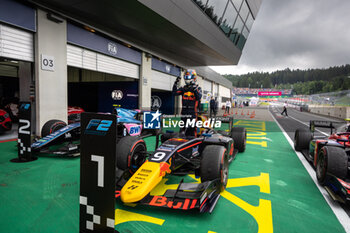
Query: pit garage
<point x="225" y="94"/>
<point x="16" y="58"/>
<point x="101" y="72"/>
<point x="206" y="90"/>
<point x="163" y="76"/>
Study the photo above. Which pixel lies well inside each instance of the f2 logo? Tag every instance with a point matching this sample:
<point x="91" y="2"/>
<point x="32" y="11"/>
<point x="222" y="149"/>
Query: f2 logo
<point x="101" y="125"/>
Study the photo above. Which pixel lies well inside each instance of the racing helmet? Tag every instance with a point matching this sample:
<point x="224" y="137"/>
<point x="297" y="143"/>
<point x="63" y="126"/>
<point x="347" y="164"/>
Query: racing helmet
<point x="190" y="77"/>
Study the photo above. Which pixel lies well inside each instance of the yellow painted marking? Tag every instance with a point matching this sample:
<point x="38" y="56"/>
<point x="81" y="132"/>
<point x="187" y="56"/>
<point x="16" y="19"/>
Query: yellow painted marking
<point x="261" y="138"/>
<point x="262" y="143"/>
<point x="263" y="181"/>
<point x="260" y="125"/>
<point x="261" y="213"/>
<point x="122" y="216"/>
<point x="211" y="232"/>
<point x="255" y="133"/>
<point x="161" y="188"/>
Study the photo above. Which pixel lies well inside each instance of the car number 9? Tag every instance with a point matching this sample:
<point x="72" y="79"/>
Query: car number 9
<point x="158" y="156"/>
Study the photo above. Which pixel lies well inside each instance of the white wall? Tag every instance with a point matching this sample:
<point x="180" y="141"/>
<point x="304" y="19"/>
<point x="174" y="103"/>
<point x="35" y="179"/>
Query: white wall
<point x="51" y="86"/>
<point x="145" y="83"/>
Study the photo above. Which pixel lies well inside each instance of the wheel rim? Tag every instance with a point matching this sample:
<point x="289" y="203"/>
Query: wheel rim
<point x="137" y="157"/>
<point x="321" y="166"/>
<point x="224" y="176"/>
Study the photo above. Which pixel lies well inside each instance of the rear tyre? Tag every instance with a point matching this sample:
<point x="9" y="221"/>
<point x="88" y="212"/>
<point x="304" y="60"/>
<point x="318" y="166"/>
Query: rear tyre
<point x="302" y="139"/>
<point x="131" y="153"/>
<point x="331" y="160"/>
<point x="52" y="126"/>
<point x="239" y="136"/>
<point x="214" y="165"/>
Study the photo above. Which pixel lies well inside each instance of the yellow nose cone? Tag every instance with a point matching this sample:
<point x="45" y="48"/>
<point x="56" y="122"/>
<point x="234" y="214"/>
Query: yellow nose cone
<point x="142" y="182"/>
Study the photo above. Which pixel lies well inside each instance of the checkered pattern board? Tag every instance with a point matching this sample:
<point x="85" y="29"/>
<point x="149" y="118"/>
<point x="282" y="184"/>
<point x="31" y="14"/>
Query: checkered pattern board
<point x="96" y="219"/>
<point x="22" y="148"/>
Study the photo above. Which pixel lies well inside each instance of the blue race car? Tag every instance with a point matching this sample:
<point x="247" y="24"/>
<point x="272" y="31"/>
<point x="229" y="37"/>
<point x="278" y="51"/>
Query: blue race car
<point x="62" y="139"/>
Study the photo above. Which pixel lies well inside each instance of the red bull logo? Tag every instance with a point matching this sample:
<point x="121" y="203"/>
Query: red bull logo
<point x="164" y="168"/>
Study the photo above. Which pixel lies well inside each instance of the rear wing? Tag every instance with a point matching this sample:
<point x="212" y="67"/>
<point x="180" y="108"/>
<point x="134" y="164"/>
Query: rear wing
<point x="325" y="124"/>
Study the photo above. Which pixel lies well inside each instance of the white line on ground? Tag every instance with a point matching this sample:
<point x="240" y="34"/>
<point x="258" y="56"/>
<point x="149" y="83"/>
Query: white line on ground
<point x="336" y="208"/>
<point x="307" y="124"/>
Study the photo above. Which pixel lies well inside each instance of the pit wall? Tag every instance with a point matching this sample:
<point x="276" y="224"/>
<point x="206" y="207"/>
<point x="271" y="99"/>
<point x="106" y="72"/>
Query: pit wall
<point x="332" y="111"/>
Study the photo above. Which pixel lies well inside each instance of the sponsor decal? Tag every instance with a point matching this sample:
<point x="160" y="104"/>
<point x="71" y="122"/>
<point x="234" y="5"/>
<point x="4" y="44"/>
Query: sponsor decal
<point x="165" y="148"/>
<point x="98" y="127"/>
<point x="156" y="102"/>
<point x="162" y="201"/>
<point x="210" y="123"/>
<point x="195" y="151"/>
<point x="164" y="168"/>
<point x="135" y="130"/>
<point x="269" y="93"/>
<point x="112" y="48"/>
<point x="117" y="95"/>
<point x="151" y="120"/>
<point x="167" y="68"/>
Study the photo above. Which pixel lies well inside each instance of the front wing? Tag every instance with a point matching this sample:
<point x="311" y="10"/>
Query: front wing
<point x="202" y="197"/>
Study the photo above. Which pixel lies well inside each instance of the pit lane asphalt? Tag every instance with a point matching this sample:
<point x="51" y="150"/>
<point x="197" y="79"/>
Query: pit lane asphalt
<point x="297" y="119"/>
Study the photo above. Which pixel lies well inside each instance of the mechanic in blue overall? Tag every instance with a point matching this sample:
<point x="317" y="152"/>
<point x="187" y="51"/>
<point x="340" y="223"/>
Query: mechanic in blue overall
<point x="191" y="97"/>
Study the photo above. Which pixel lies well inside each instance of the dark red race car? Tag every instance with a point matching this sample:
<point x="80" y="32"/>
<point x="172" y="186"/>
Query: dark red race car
<point x="329" y="155"/>
<point x="74" y="114"/>
<point x="5" y="121"/>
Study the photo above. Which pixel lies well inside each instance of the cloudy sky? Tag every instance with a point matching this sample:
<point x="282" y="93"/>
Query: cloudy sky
<point x="296" y="34"/>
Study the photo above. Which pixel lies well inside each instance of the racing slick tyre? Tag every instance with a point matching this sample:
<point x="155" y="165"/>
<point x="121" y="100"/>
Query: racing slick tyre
<point x="302" y="139"/>
<point x="52" y="126"/>
<point x="131" y="153"/>
<point x="214" y="165"/>
<point x="239" y="136"/>
<point x="331" y="160"/>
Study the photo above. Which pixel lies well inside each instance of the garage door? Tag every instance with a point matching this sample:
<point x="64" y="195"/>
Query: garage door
<point x="162" y="81"/>
<point x="16" y="44"/>
<point x="206" y="86"/>
<point x="87" y="59"/>
<point x="224" y="91"/>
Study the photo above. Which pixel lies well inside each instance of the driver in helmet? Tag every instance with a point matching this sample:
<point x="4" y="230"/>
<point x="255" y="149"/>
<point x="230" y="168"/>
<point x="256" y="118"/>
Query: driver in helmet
<point x="191" y="96"/>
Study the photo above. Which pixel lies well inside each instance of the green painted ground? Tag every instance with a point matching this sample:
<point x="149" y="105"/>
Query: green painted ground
<point x="42" y="196"/>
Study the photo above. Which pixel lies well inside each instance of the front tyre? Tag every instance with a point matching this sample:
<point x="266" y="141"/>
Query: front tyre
<point x="52" y="126"/>
<point x="239" y="136"/>
<point x="214" y="165"/>
<point x="131" y="153"/>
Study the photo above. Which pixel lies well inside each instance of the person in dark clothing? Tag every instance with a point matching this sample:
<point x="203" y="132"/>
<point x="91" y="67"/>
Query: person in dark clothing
<point x="212" y="105"/>
<point x="284" y="109"/>
<point x="191" y="96"/>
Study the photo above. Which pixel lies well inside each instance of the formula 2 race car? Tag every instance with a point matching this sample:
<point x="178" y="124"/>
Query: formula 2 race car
<point x="207" y="156"/>
<point x="5" y="121"/>
<point x="330" y="156"/>
<point x="60" y="138"/>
